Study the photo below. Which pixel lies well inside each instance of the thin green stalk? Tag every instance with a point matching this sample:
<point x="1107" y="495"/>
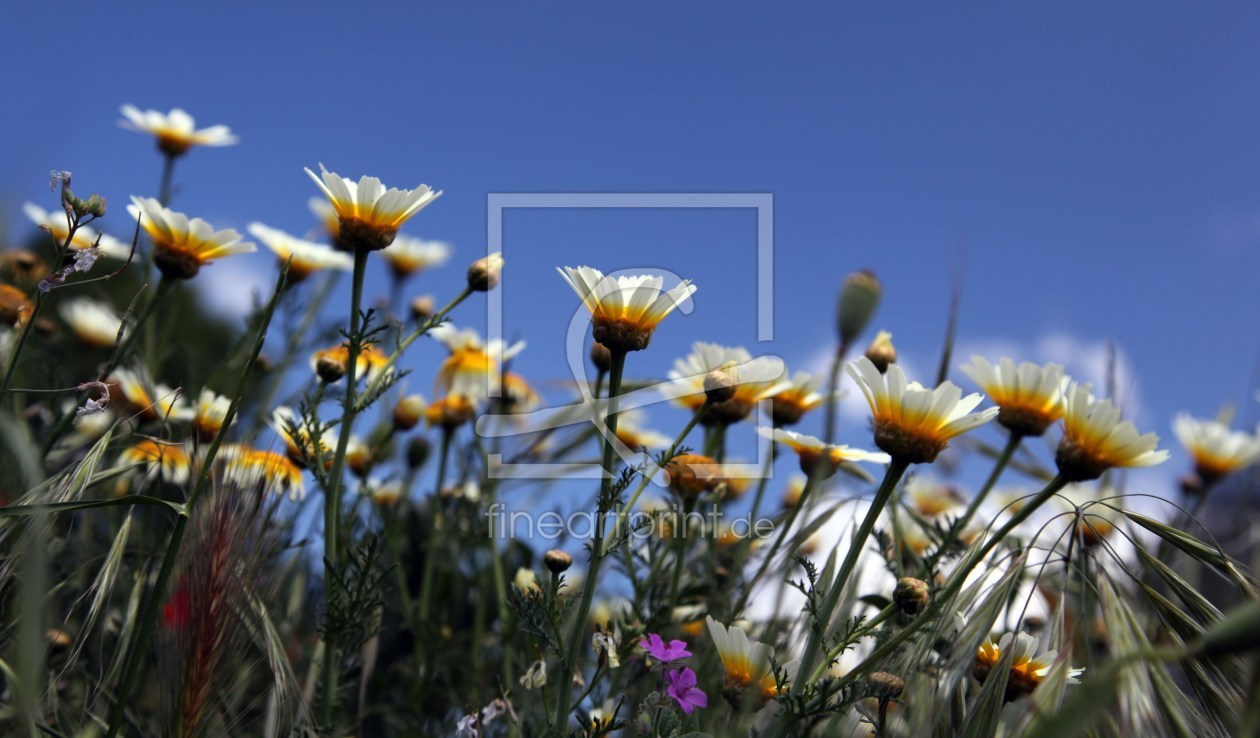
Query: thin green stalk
<point x="896" y="470"/>
<point x="1012" y="444"/>
<point x="680" y="553"/>
<point x="431" y="553"/>
<point x="382" y="374"/>
<point x="332" y="495"/>
<point x="643" y="483"/>
<point x="833" y="384"/>
<point x="597" y="555"/>
<point x="811" y="484"/>
<point x="153" y="602"/>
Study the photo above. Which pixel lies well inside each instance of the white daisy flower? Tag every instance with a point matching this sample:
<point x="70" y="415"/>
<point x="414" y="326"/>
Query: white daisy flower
<point x="1217" y="450"/>
<point x="473" y="366"/>
<point x="182" y="245"/>
<point x="407" y="255"/>
<point x="176" y="131"/>
<point x="307" y="257"/>
<point x="813" y="451"/>
<point x="85" y="237"/>
<point x="1029" y="397"/>
<point x="756" y="379"/>
<point x="913" y="423"/>
<point x="1095" y="439"/>
<point x="368" y="214"/>
<point x="95" y="323"/>
<point x="625" y="310"/>
<point x="747" y="663"/>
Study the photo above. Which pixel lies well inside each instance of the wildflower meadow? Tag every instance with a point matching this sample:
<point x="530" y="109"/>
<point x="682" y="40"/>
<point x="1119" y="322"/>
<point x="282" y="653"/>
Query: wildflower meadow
<point x="264" y="528"/>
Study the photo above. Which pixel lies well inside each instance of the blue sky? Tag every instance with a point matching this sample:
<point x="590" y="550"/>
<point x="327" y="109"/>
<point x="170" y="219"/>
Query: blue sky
<point x="1090" y="171"/>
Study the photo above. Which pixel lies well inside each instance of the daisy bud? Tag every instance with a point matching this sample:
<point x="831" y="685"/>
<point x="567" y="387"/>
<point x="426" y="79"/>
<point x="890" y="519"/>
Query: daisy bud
<point x="601" y="357"/>
<point x="408" y="412"/>
<point x="911" y="595"/>
<point x="719" y="385"/>
<point x="859" y="297"/>
<point x="557" y="561"/>
<point x="330" y="369"/>
<point x="484" y="274"/>
<point x="95" y="206"/>
<point x="450" y="412"/>
<point x="885" y="686"/>
<point x="417" y="452"/>
<point x="691" y="475"/>
<point x="881" y="351"/>
<point x="422" y="307"/>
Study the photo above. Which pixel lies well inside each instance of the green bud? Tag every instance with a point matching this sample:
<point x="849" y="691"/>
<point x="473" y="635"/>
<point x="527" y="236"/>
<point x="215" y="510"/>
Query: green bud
<point x="859" y="297"/>
<point x="95" y="206"/>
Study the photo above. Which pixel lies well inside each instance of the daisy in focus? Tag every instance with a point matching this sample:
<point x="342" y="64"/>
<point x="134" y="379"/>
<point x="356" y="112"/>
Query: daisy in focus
<point x="817" y="457"/>
<point x="1216" y="449"/>
<point x="747" y="664"/>
<point x="176" y="131"/>
<point x="85" y="237"/>
<point x="625" y="311"/>
<point x="368" y="214"/>
<point x="913" y="423"/>
<point x="1029" y="397"/>
<point x="407" y="256"/>
<point x="182" y="245"/>
<point x="307" y="257"/>
<point x="94" y="323"/>
<point x="1095" y="439"/>
<point x="1028" y="669"/>
<point x="753" y="380"/>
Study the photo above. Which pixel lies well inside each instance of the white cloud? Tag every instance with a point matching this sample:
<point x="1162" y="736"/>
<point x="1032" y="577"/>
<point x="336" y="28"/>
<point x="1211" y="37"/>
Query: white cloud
<point x="228" y="287"/>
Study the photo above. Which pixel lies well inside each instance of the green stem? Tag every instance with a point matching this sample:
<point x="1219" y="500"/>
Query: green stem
<point x="431" y="551"/>
<point x="383" y="373"/>
<point x="1012" y="444"/>
<point x="643" y="483"/>
<point x="680" y="553"/>
<point x="833" y="383"/>
<point x="597" y="550"/>
<point x="148" y="617"/>
<point x="332" y="495"/>
<point x="811" y="483"/>
<point x="896" y="470"/>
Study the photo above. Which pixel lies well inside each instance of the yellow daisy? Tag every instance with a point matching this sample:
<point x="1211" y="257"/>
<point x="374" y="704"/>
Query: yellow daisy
<point x="625" y="310"/>
<point x="1029" y="397"/>
<point x="95" y="323"/>
<point x="368" y="214"/>
<point x="210" y="414"/>
<point x="307" y="257"/>
<point x="176" y="131"/>
<point x="747" y="663"/>
<point x="1095" y="439"/>
<point x="181" y="246"/>
<point x="798" y="397"/>
<point x="406" y="255"/>
<point x="472" y="368"/>
<point x="146" y="401"/>
<point x="1028" y="669"/>
<point x="913" y="423"/>
<point x="1216" y="449"/>
<point x="813" y="452"/>
<point x="756" y="379"/>
<point x="167" y="460"/>
<point x="85" y="237"/>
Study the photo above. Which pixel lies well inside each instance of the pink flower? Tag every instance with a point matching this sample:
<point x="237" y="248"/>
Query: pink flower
<point x="682" y="687"/>
<point x="655" y="646"/>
